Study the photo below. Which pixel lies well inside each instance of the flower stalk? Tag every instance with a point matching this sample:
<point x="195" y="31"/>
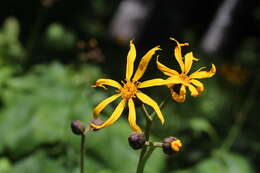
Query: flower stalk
<point x="82" y="153"/>
<point x="149" y="147"/>
<point x="144" y="155"/>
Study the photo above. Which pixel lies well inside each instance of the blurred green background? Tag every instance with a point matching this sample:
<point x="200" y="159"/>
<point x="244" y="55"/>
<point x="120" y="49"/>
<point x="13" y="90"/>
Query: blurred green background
<point x="52" y="51"/>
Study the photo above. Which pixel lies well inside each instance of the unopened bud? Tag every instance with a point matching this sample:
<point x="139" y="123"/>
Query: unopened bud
<point x="136" y="140"/>
<point x="77" y="127"/>
<point x="96" y="122"/>
<point x="171" y="145"/>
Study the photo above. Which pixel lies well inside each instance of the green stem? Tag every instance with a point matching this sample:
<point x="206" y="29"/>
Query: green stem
<point x="154" y="144"/>
<point x="141" y="162"/>
<point x="82" y="153"/>
<point x="145" y="154"/>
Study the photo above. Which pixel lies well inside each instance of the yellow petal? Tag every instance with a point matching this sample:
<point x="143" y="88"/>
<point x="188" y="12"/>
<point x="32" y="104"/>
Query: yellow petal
<point x="144" y="63"/>
<point x="132" y="116"/>
<point x="198" y="84"/>
<point x="193" y="91"/>
<point x="167" y="71"/>
<point x="154" y="82"/>
<point x="130" y="61"/>
<point x="178" y="54"/>
<point x="147" y="100"/>
<point x="103" y="104"/>
<point x="178" y="97"/>
<point x="174" y="80"/>
<point x="188" y="61"/>
<point x="115" y="115"/>
<point x="204" y="74"/>
<point x="109" y="82"/>
<point x="183" y="90"/>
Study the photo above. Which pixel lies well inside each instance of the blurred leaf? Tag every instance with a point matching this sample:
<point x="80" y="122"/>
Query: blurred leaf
<point x="182" y="171"/>
<point x="39" y="163"/>
<point x="59" y="38"/>
<point x="221" y="162"/>
<point x="41" y="103"/>
<point x="202" y="125"/>
<point x="212" y="102"/>
<point x="234" y="162"/>
<point x="215" y="165"/>
<point x="11" y="29"/>
<point x="10" y="46"/>
<point x="5" y="166"/>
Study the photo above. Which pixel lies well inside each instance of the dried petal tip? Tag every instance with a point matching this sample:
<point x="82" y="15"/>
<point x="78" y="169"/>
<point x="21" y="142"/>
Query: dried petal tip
<point x="136" y="140"/>
<point x="96" y="122"/>
<point x="77" y="127"/>
<point x="171" y="145"/>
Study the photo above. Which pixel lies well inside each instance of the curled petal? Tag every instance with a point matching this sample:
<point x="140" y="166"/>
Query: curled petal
<point x="103" y="82"/>
<point x="178" y="54"/>
<point x="166" y="70"/>
<point x="130" y="61"/>
<point x="198" y="84"/>
<point x="194" y="92"/>
<point x="154" y="82"/>
<point x="132" y="116"/>
<point x="115" y="115"/>
<point x="204" y="74"/>
<point x="147" y="100"/>
<point x="183" y="90"/>
<point x="103" y="104"/>
<point x="144" y="63"/>
<point x="189" y="58"/>
<point x="179" y="97"/>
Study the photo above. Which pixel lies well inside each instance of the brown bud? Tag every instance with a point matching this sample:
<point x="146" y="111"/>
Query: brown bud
<point x="171" y="145"/>
<point x="77" y="127"/>
<point x="136" y="140"/>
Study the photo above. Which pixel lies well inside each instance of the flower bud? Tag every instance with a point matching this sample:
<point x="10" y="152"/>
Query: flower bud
<point x="136" y="140"/>
<point x="171" y="145"/>
<point x="77" y="127"/>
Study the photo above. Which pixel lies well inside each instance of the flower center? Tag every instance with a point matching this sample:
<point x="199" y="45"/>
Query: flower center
<point x="176" y="145"/>
<point x="185" y="79"/>
<point x="129" y="90"/>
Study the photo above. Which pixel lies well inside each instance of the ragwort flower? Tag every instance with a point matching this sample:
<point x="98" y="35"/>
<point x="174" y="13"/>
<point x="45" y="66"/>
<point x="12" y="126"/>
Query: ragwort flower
<point x="129" y="90"/>
<point x="182" y="80"/>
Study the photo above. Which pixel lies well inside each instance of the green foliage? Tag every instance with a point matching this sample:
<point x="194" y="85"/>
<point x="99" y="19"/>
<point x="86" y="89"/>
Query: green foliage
<point x="10" y="46"/>
<point x="5" y="166"/>
<point x="202" y="125"/>
<point x="36" y="114"/>
<point x="221" y="162"/>
<point x="59" y="37"/>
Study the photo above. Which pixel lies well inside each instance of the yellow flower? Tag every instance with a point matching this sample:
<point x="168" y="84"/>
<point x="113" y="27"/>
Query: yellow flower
<point x="176" y="145"/>
<point x="129" y="90"/>
<point x="182" y="80"/>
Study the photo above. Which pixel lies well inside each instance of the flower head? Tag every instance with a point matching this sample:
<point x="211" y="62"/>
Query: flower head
<point x="171" y="145"/>
<point x="128" y="90"/>
<point x="136" y="140"/>
<point x="182" y="80"/>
